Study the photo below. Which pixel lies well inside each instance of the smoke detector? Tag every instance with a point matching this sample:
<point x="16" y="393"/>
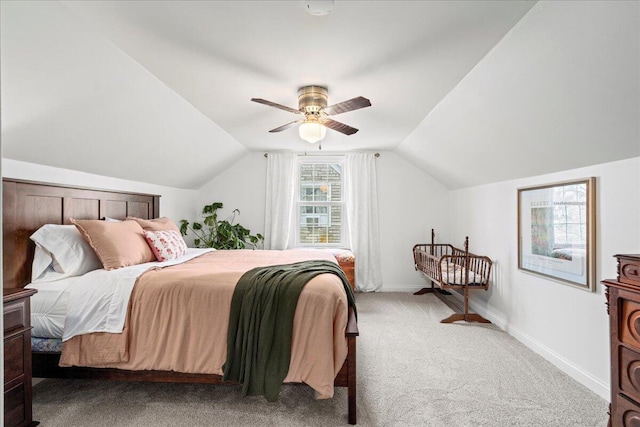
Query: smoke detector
<point x="319" y="7"/>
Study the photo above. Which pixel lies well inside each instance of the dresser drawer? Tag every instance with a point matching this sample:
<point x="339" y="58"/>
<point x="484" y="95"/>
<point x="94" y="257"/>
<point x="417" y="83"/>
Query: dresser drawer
<point x="14" y="406"/>
<point x="629" y="269"/>
<point x="625" y="413"/>
<point x="15" y="316"/>
<point x="13" y="357"/>
<point x="629" y="322"/>
<point x="629" y="371"/>
<point x="17" y="358"/>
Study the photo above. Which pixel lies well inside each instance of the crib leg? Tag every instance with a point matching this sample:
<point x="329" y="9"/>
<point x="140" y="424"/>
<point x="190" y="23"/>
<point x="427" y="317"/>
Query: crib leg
<point x="453" y="318"/>
<point x="426" y="290"/>
<point x="466" y="301"/>
<point x="431" y="290"/>
<point x="466" y="316"/>
<point x="474" y="317"/>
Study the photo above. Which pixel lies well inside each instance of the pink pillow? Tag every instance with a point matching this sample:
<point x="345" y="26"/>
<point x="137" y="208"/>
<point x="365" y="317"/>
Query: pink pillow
<point x="156" y="224"/>
<point x="166" y="244"/>
<point x="117" y="244"/>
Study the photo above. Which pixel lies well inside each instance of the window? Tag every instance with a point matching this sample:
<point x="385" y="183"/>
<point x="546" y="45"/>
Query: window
<point x="320" y="202"/>
<point x="569" y="217"/>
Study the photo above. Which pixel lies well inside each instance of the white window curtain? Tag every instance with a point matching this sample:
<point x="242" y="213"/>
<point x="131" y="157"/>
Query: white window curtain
<point x="362" y="216"/>
<point x="279" y="203"/>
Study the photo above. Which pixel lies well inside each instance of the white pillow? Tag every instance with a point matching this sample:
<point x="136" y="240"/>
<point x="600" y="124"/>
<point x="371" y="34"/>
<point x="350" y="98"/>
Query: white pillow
<point x="61" y="252"/>
<point x="42" y="263"/>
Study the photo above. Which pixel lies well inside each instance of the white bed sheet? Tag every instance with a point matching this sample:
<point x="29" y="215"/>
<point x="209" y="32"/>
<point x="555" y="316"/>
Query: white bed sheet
<point x="97" y="301"/>
<point x="49" y="308"/>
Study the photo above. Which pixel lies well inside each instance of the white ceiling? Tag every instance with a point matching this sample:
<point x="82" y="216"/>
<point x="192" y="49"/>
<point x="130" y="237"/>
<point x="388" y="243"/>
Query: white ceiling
<point x="403" y="56"/>
<point x="160" y="91"/>
<point x="560" y="91"/>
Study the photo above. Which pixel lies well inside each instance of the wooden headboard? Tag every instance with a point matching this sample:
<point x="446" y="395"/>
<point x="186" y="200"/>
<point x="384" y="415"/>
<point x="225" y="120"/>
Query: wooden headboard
<point x="26" y="206"/>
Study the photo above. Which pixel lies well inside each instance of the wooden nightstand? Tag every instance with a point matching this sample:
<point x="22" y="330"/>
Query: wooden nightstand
<point x="17" y="357"/>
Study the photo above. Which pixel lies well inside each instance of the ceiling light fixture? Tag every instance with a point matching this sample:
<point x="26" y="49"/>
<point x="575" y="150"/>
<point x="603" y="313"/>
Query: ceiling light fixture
<point x="311" y="100"/>
<point x="319" y="7"/>
<point x="311" y="130"/>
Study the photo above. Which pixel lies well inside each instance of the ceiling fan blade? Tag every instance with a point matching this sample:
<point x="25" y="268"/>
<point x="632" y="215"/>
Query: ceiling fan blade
<point x="350" y="105"/>
<point x="287" y="126"/>
<point x="273" y="104"/>
<point x="340" y="127"/>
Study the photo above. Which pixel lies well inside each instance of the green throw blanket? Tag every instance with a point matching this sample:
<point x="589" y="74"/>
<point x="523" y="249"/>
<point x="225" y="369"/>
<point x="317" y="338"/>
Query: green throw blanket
<point x="261" y="323"/>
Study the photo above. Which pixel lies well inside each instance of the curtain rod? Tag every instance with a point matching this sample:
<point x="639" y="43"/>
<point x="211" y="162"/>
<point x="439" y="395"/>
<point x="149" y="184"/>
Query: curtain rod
<point x="318" y="155"/>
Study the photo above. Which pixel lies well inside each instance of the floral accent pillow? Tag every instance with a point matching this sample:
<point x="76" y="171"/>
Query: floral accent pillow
<point x="166" y="244"/>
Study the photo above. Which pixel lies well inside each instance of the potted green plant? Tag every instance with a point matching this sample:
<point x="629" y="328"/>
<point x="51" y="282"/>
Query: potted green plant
<point x="220" y="233"/>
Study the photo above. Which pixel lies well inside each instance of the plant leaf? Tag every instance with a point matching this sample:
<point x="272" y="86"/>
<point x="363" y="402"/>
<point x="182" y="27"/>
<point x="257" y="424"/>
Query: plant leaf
<point x="222" y="234"/>
<point x="184" y="224"/>
<point x="209" y="220"/>
<point x="208" y="209"/>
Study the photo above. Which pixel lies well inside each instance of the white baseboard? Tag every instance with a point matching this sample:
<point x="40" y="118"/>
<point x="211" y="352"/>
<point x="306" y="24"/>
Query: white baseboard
<point x="599" y="387"/>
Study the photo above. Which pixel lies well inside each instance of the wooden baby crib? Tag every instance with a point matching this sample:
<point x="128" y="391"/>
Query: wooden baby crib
<point x="453" y="268"/>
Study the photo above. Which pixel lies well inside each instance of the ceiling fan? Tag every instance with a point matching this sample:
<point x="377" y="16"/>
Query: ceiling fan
<point x="312" y="104"/>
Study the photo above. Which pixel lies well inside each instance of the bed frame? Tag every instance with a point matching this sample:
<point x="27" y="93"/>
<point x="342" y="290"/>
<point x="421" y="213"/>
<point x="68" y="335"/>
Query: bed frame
<point x="433" y="261"/>
<point x="28" y="205"/>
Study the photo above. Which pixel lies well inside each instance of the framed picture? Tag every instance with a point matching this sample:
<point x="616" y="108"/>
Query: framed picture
<point x="556" y="231"/>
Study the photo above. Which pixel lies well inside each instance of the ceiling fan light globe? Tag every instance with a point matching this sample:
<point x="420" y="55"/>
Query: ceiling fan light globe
<point x="312" y="132"/>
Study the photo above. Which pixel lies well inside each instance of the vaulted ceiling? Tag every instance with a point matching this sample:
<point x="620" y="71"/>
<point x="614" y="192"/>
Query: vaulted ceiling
<point x="470" y="91"/>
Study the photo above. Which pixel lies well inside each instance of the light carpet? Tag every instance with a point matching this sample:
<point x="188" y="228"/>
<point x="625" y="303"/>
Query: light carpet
<point x="412" y="371"/>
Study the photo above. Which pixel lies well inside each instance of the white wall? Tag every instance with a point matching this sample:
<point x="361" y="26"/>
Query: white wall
<point x="176" y="203"/>
<point x="241" y="186"/>
<point x="566" y="325"/>
<point x="410" y="202"/>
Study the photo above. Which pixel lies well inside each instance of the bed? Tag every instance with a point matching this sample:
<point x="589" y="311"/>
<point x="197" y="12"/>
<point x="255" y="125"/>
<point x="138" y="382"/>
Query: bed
<point x="453" y="268"/>
<point x="29" y="205"/>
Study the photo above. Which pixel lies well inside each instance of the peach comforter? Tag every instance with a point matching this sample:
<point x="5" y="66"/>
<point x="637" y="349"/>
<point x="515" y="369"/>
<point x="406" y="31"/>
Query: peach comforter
<point x="178" y="318"/>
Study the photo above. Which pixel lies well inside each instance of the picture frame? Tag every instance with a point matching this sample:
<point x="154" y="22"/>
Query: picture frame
<point x="556" y="231"/>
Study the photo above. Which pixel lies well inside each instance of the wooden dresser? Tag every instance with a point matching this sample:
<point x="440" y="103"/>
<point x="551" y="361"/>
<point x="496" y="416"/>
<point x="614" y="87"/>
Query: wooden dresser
<point x="623" y="306"/>
<point x="347" y="261"/>
<point x="17" y="357"/>
<point x="349" y="268"/>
